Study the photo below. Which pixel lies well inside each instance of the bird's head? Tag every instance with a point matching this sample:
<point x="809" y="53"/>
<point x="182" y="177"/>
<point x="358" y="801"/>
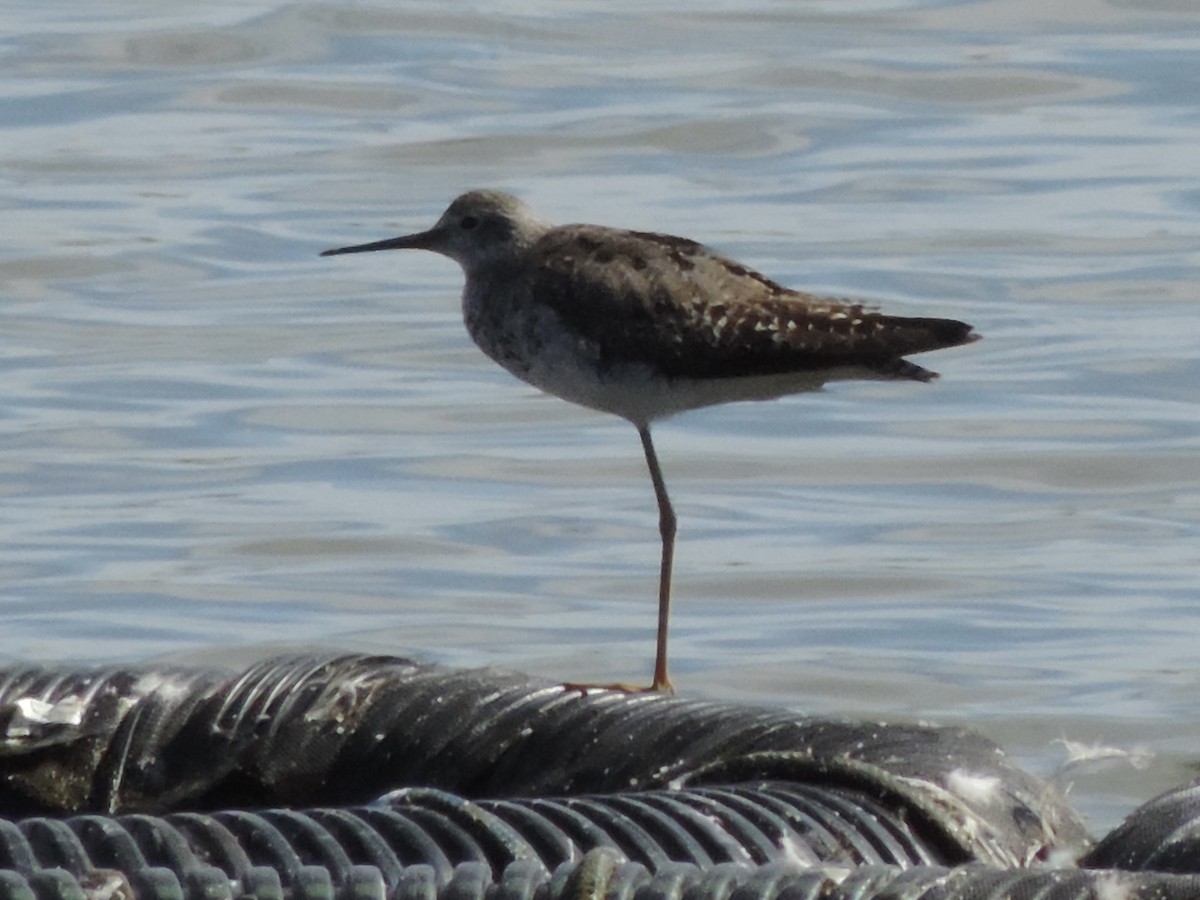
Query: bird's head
<point x="479" y="230"/>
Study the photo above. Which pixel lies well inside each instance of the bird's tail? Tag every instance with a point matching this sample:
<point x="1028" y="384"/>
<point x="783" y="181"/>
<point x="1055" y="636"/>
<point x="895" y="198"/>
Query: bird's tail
<point x="902" y="368"/>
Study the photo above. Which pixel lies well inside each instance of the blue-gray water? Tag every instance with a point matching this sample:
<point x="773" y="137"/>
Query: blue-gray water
<point x="210" y="437"/>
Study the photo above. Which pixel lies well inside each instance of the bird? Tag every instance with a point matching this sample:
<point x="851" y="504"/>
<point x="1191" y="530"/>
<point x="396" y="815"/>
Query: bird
<point x="645" y="325"/>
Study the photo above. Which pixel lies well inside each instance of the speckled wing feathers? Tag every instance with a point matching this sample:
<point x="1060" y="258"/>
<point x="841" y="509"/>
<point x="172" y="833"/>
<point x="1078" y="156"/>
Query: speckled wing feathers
<point x="691" y="313"/>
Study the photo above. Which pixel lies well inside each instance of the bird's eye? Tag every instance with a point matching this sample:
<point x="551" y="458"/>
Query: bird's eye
<point x="468" y="222"/>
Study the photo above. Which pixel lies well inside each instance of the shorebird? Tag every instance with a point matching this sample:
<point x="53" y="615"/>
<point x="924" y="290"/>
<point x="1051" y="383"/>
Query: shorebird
<point x="645" y="326"/>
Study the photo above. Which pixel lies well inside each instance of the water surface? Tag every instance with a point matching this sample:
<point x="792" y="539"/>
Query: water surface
<point x="210" y="437"/>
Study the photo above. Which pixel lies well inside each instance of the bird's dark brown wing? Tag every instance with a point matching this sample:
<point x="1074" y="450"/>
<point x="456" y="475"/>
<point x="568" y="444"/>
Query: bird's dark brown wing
<point x="691" y="313"/>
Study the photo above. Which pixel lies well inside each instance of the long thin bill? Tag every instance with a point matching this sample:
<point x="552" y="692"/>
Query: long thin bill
<point x="418" y="241"/>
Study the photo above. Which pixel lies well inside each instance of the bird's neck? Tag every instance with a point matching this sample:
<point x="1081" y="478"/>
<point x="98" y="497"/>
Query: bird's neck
<point x="496" y="268"/>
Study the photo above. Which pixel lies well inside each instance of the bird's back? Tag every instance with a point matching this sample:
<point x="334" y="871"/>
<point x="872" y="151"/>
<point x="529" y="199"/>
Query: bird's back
<point x="690" y="313"/>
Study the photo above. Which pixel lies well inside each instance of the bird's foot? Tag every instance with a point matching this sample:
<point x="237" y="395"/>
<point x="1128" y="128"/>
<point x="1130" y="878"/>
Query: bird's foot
<point x="584" y="687"/>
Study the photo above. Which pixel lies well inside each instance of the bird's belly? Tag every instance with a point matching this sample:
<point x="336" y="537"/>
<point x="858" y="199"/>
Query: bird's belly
<point x="544" y="355"/>
<point x="539" y="351"/>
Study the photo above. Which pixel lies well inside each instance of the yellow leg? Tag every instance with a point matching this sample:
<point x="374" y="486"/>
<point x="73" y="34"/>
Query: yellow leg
<point x="666" y="527"/>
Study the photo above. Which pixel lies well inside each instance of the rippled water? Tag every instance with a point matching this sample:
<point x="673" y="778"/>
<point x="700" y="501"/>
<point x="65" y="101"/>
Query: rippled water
<point x="210" y="436"/>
